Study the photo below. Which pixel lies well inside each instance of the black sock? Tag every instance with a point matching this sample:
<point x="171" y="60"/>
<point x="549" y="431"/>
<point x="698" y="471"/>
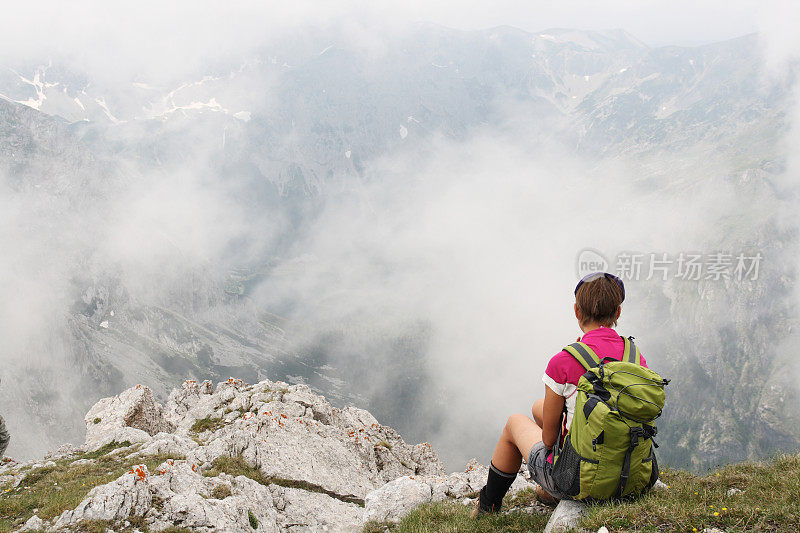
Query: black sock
<point x="497" y="484"/>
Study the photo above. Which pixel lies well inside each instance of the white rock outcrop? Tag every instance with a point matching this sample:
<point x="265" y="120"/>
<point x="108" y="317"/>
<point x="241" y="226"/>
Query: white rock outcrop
<point x="394" y="500"/>
<point x="315" y="463"/>
<point x="309" y="466"/>
<point x="565" y="517"/>
<point x="132" y="416"/>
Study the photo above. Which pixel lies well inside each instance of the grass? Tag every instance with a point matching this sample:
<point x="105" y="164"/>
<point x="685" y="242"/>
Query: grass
<point x="237" y="466"/>
<point x="221" y="491"/>
<point x="104" y="450"/>
<point x="769" y="501"/>
<point x="101" y="526"/>
<point x="54" y="489"/>
<point x="252" y="519"/>
<point x="453" y="517"/>
<point x="208" y="423"/>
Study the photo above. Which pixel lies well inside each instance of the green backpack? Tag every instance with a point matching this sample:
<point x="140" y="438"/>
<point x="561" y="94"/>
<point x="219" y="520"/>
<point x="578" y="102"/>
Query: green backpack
<point x="608" y="450"/>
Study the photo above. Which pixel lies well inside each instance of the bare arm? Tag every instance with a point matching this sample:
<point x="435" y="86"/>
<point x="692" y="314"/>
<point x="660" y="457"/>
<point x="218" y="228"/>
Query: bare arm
<point x="551" y="416"/>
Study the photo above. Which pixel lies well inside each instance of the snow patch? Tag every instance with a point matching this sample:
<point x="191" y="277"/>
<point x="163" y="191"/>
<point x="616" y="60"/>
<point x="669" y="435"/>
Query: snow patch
<point x="403" y="132"/>
<point x="104" y="324"/>
<point x="37" y="85"/>
<point x="102" y="103"/>
<point x="347" y="154"/>
<point x="326" y="49"/>
<point x="244" y="116"/>
<point x="623" y="70"/>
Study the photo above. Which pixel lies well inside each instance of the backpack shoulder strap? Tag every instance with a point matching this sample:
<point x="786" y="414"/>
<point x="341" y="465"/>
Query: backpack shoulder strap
<point x="583" y="354"/>
<point x="631" y="354"/>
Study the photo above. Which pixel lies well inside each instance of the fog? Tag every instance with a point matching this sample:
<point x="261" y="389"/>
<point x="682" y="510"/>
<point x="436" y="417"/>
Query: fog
<point x="463" y="248"/>
<point x="480" y="240"/>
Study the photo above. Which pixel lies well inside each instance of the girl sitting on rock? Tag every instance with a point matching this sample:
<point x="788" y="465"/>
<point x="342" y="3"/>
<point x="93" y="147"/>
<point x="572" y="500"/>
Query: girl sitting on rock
<point x="598" y="299"/>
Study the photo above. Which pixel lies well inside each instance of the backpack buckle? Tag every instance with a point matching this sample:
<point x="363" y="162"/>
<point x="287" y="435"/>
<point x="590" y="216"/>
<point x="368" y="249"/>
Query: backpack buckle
<point x="635" y="434"/>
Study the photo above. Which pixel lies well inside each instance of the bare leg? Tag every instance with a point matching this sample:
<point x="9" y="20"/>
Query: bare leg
<point x="518" y="437"/>
<point x="538" y="412"/>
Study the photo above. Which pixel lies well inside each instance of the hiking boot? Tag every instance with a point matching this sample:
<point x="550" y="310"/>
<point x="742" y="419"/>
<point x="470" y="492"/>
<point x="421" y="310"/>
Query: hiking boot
<point x="545" y="497"/>
<point x="483" y="508"/>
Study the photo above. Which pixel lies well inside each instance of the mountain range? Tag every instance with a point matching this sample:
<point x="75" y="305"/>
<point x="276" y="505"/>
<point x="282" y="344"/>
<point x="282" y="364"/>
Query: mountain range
<point x="98" y="300"/>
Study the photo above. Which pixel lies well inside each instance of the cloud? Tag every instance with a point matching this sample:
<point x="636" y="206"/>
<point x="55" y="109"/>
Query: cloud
<point x="473" y="238"/>
<point x="477" y="241"/>
<point x="166" y="40"/>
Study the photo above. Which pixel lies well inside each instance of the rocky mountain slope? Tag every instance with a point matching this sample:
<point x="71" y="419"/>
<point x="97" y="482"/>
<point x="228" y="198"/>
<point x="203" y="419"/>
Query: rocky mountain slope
<point x="276" y="457"/>
<point x="287" y="130"/>
<point x="267" y="457"/>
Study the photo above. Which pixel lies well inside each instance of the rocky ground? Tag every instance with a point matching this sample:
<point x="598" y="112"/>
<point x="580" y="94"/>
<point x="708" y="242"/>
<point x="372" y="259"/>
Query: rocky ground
<point x="238" y="457"/>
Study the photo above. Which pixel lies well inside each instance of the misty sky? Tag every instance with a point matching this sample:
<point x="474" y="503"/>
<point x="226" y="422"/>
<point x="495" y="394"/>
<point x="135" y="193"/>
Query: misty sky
<point x="655" y="22"/>
<point x="157" y="36"/>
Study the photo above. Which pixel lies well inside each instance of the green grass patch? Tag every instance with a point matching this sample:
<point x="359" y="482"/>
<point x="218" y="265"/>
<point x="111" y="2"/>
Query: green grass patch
<point x="252" y="519"/>
<point x="104" y="450"/>
<point x="54" y="489"/>
<point x="221" y="491"/>
<point x="136" y="523"/>
<point x="452" y="517"/>
<point x="770" y="501"/>
<point x="94" y="526"/>
<point x="209" y="423"/>
<point x="235" y="466"/>
<point x="522" y="498"/>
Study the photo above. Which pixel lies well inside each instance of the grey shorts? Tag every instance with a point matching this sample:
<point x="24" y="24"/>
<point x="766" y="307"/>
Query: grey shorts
<point x="541" y="471"/>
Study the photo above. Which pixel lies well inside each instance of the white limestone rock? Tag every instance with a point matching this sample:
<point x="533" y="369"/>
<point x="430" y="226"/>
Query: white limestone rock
<point x="396" y="499"/>
<point x="318" y="512"/>
<point x="332" y="458"/>
<point x="65" y="451"/>
<point x="190" y="403"/>
<point x="134" y="416"/>
<point x="166" y="444"/>
<point x="187" y="501"/>
<point x="115" y="501"/>
<point x="565" y="516"/>
<point x="34" y="523"/>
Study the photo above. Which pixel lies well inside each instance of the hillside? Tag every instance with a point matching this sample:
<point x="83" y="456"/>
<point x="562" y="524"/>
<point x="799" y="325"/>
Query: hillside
<point x="276" y="457"/>
<point x="268" y="456"/>
<point x="301" y="212"/>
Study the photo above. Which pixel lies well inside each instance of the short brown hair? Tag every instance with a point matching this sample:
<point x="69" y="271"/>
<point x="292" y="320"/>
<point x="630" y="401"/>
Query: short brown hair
<point x="598" y="301"/>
